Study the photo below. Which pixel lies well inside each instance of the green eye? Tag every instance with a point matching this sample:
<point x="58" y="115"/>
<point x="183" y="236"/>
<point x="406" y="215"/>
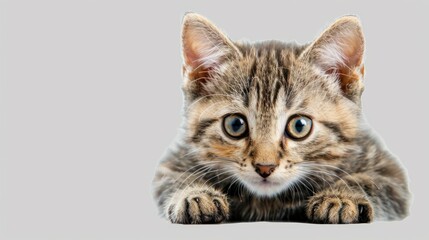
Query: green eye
<point x="298" y="127"/>
<point x="235" y="126"/>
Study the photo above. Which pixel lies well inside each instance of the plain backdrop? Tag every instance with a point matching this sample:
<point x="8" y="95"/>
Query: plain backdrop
<point x="90" y="99"/>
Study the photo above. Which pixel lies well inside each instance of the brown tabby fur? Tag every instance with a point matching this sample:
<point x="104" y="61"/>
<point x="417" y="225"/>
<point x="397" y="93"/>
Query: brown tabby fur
<point x="341" y="173"/>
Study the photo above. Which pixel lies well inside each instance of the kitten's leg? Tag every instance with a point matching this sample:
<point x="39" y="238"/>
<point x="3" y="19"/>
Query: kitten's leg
<point x="184" y="198"/>
<point x="360" y="198"/>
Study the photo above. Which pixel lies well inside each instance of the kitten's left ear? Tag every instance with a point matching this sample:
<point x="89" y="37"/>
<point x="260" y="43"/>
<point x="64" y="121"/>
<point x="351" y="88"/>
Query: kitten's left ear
<point x="205" y="48"/>
<point x="339" y="51"/>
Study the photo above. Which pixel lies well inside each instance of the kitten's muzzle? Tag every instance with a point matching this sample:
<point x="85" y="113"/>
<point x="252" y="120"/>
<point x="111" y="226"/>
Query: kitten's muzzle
<point x="265" y="170"/>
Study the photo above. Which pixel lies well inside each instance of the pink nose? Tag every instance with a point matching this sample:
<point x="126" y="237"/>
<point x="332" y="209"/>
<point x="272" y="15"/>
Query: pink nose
<point x="265" y="170"/>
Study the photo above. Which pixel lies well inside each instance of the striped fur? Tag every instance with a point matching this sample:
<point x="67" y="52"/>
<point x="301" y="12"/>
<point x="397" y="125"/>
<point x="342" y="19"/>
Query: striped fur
<point x="341" y="173"/>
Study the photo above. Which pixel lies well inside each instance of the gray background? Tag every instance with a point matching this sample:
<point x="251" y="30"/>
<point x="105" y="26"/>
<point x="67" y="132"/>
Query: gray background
<point x="90" y="99"/>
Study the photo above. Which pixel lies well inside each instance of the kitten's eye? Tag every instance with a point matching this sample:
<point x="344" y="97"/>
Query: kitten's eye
<point x="298" y="127"/>
<point x="235" y="126"/>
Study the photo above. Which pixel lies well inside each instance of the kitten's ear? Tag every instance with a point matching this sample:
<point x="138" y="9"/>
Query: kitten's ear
<point x="339" y="50"/>
<point x="205" y="47"/>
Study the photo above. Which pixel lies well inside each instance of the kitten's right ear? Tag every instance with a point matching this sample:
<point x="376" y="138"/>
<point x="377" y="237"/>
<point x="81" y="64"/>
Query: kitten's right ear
<point x="339" y="52"/>
<point x="204" y="46"/>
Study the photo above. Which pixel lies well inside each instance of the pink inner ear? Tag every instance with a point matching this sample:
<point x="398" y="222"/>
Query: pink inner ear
<point x="202" y="52"/>
<point x="197" y="48"/>
<point x="353" y="53"/>
<point x="191" y="58"/>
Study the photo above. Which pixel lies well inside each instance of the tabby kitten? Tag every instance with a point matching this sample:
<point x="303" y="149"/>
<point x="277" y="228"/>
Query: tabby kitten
<point x="274" y="132"/>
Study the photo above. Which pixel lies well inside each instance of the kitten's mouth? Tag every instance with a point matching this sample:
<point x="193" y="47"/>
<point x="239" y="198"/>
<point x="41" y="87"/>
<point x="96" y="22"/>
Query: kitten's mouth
<point x="266" y="182"/>
<point x="264" y="187"/>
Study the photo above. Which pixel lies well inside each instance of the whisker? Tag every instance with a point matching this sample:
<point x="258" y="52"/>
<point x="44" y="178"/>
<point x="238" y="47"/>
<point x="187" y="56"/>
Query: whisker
<point x="343" y="171"/>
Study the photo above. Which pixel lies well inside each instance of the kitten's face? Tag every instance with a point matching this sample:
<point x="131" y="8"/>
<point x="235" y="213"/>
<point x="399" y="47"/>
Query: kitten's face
<point x="266" y="114"/>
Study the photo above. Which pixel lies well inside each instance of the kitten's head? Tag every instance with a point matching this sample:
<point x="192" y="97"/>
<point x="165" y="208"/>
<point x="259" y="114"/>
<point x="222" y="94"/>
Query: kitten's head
<point x="265" y="113"/>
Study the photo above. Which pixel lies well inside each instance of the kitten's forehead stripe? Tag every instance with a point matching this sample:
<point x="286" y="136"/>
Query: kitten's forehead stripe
<point x="268" y="66"/>
<point x="258" y="92"/>
<point x="285" y="73"/>
<point x="249" y="83"/>
<point x="276" y="92"/>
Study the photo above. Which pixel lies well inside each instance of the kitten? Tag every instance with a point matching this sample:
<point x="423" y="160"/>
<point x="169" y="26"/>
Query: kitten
<point x="274" y="132"/>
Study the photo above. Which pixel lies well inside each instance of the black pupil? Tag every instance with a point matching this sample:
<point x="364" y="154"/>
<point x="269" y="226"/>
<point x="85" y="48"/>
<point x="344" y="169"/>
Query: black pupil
<point x="236" y="124"/>
<point x="299" y="125"/>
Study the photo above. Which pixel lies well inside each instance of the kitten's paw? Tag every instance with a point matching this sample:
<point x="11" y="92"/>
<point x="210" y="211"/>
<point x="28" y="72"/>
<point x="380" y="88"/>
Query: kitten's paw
<point x="198" y="205"/>
<point x="328" y="207"/>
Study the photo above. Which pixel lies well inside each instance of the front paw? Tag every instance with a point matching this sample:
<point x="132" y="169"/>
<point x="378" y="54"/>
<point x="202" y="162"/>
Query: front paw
<point x="198" y="205"/>
<point x="332" y="207"/>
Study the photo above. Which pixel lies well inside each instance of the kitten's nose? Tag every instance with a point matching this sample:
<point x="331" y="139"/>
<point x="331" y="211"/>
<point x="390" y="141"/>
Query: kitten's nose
<point x="265" y="170"/>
